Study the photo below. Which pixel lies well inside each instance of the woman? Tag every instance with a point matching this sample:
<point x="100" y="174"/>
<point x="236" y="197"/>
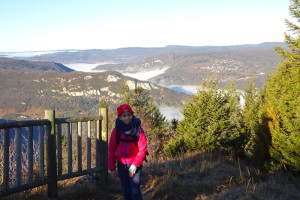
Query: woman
<point x="127" y="147"/>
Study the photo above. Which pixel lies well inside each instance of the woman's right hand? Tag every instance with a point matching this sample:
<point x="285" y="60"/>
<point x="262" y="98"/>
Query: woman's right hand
<point x="113" y="174"/>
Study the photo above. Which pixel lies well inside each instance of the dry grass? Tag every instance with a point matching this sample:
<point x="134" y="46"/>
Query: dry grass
<point x="198" y="176"/>
<point x="214" y="176"/>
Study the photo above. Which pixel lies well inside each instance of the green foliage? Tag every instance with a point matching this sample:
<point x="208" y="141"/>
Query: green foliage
<point x="154" y="123"/>
<point x="211" y="120"/>
<point x="137" y="98"/>
<point x="103" y="104"/>
<point x="174" y="146"/>
<point x="157" y="120"/>
<point x="250" y="111"/>
<point x="283" y="111"/>
<point x="143" y="105"/>
<point x="257" y="136"/>
<point x="174" y="123"/>
<point x="282" y="99"/>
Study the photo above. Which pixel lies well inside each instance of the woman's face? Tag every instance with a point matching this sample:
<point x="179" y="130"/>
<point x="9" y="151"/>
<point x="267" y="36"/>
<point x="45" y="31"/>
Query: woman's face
<point x="126" y="117"/>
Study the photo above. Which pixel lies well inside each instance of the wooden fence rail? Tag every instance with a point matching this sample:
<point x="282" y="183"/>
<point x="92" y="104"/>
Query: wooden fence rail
<point x="50" y="134"/>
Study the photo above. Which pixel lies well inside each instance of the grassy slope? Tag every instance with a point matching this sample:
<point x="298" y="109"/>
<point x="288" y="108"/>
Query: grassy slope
<point x="205" y="176"/>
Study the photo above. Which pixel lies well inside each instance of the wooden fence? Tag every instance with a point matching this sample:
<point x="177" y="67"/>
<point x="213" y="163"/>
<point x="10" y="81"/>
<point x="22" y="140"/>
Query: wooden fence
<point x="50" y="134"/>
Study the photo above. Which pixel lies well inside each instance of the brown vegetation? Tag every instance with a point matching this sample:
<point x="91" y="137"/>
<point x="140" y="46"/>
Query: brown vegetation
<point x="201" y="176"/>
<point x="4" y="111"/>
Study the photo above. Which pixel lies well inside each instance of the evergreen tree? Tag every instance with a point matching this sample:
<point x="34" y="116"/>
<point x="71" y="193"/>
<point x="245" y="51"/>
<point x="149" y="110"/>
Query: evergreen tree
<point x="211" y="121"/>
<point x="250" y="110"/>
<point x="283" y="96"/>
<point x="157" y="120"/>
<point x="154" y="123"/>
<point x="137" y="98"/>
<point x="257" y="137"/>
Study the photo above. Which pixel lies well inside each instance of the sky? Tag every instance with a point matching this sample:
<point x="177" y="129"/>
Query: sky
<point x="44" y="25"/>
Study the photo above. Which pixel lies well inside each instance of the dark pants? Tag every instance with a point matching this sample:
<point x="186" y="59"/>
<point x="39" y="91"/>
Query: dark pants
<point x="130" y="185"/>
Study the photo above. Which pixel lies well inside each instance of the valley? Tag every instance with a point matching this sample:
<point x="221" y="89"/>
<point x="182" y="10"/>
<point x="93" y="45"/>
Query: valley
<point x="78" y="80"/>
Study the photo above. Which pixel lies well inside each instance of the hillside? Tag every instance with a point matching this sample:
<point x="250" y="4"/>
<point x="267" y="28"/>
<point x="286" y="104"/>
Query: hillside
<point x="76" y="91"/>
<point x="52" y="86"/>
<point x="193" y="67"/>
<point x="23" y="65"/>
<point x="182" y="65"/>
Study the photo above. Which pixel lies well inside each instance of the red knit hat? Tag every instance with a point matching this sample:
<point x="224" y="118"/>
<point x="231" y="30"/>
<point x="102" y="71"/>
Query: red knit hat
<point x="124" y="108"/>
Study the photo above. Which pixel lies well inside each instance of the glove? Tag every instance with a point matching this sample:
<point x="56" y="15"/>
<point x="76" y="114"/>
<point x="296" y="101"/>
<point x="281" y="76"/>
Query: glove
<point x="132" y="170"/>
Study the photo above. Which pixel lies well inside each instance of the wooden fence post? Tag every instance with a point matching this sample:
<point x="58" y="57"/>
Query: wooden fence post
<point x="51" y="155"/>
<point x="104" y="145"/>
<point x="98" y="144"/>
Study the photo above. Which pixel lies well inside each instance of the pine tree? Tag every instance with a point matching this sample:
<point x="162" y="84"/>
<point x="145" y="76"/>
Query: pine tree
<point x="257" y="136"/>
<point x="211" y="120"/>
<point x="283" y="96"/>
<point x="154" y="123"/>
<point x="137" y="98"/>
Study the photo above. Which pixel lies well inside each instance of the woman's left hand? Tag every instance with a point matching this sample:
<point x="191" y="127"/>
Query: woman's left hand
<point x="132" y="170"/>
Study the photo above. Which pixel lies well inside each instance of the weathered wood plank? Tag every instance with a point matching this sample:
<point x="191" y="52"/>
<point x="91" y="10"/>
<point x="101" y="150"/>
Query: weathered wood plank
<point x="69" y="133"/>
<point x="18" y="132"/>
<point x="79" y="173"/>
<point x="79" y="119"/>
<point x="41" y="153"/>
<point x="59" y="149"/>
<point x="22" y="187"/>
<point x="88" y="145"/>
<point x="19" y="124"/>
<point x="79" y="146"/>
<point x="6" y="159"/>
<point x="30" y="154"/>
<point x="98" y="144"/>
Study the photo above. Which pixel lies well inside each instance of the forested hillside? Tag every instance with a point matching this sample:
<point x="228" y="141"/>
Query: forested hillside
<point x="75" y="91"/>
<point x="25" y="66"/>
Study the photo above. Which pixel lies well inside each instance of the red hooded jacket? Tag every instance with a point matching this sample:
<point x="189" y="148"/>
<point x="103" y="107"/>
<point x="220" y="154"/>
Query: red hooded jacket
<point x="126" y="152"/>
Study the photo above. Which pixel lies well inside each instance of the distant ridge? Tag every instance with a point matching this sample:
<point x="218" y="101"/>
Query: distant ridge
<point x="133" y="54"/>
<point x="23" y="65"/>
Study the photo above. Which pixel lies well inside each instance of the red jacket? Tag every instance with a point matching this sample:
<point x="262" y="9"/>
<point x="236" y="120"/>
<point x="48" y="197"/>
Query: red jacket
<point x="126" y="152"/>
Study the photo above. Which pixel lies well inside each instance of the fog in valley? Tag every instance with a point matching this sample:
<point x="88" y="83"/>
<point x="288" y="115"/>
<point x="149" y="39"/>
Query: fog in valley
<point x="168" y="112"/>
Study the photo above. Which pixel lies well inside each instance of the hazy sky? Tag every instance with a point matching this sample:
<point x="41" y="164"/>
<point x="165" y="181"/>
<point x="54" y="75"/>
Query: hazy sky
<point x="103" y="24"/>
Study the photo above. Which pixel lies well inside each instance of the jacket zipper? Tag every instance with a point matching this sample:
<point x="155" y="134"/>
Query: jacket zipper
<point x="126" y="149"/>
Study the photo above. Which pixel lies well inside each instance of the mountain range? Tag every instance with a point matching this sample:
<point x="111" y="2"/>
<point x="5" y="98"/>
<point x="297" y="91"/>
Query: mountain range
<point x="24" y="91"/>
<point x="182" y="65"/>
<point x="45" y="81"/>
<point x="133" y="54"/>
